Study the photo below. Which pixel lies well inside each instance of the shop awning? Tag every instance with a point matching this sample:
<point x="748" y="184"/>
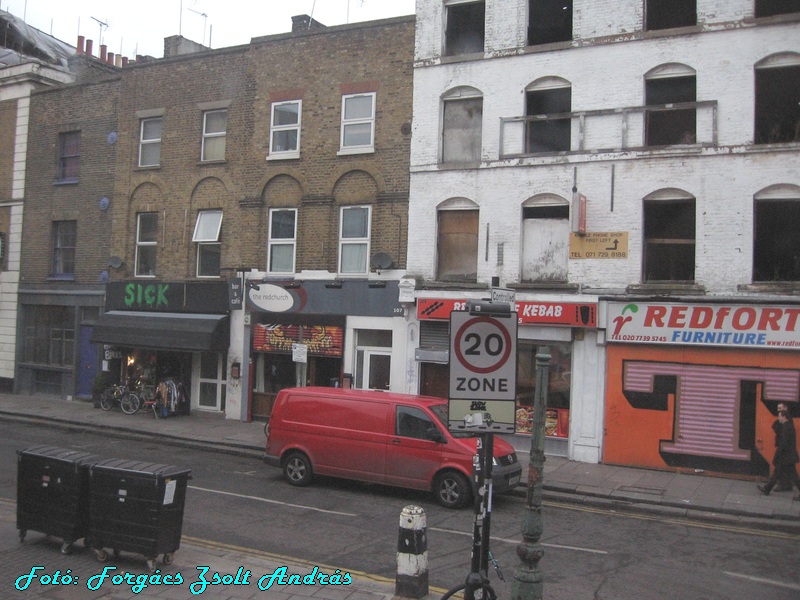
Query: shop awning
<point x="163" y="331"/>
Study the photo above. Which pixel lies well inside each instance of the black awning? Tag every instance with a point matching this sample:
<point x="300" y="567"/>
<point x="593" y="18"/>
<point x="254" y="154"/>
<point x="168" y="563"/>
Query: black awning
<point x="163" y="331"/>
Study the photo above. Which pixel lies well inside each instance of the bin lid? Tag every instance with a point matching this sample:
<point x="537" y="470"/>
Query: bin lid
<point x="143" y="469"/>
<point x="54" y="453"/>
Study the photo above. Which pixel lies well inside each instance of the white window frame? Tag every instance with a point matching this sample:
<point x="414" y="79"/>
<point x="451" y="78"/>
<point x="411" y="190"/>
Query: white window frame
<point x="273" y="129"/>
<point x="144" y="243"/>
<point x="360" y="148"/>
<point x="206" y="233"/>
<point x="273" y="242"/>
<point x="354" y="241"/>
<point x="213" y="135"/>
<point x="146" y="142"/>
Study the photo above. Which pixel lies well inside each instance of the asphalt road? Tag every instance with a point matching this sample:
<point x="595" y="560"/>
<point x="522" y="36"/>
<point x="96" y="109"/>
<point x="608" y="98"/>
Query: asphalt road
<point x="589" y="553"/>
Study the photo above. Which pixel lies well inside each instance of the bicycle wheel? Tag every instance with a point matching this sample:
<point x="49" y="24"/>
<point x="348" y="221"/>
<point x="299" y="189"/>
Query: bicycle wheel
<point x="130" y="403"/>
<point x="107" y="399"/>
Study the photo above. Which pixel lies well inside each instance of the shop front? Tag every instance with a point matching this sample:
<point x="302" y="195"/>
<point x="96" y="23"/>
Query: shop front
<point x="696" y="386"/>
<point x="566" y="329"/>
<point x="343" y="333"/>
<point x="170" y="333"/>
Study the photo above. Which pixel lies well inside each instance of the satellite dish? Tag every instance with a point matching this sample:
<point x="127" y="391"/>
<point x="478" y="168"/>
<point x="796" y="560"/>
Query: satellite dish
<point x="115" y="262"/>
<point x="381" y="260"/>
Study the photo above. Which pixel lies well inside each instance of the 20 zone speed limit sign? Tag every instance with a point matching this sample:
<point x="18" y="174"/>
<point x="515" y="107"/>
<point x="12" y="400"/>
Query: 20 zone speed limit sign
<point x="483" y="356"/>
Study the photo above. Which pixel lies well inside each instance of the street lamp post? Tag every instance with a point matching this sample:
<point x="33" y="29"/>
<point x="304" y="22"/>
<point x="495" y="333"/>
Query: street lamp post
<point x="528" y="583"/>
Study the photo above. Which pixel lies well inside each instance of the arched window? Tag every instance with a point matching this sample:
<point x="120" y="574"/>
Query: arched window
<point x="543" y="98"/>
<point x="462" y="123"/>
<point x="777" y="118"/>
<point x="669" y="237"/>
<point x="457" y="240"/>
<point x="776" y="245"/>
<point x="666" y="86"/>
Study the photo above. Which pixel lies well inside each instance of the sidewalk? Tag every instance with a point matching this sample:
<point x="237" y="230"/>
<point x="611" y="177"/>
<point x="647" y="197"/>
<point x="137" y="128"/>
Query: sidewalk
<point x="663" y="493"/>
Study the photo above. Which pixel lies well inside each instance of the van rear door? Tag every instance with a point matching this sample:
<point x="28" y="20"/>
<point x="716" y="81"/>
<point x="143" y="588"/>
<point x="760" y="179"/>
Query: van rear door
<point x="412" y="457"/>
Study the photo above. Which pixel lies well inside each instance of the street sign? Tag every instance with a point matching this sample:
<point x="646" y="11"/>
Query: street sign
<point x="503" y="295"/>
<point x="483" y="371"/>
<point x="300" y="353"/>
<point x="611" y="244"/>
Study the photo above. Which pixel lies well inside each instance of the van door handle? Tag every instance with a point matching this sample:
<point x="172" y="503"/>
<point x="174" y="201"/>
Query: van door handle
<point x="395" y="441"/>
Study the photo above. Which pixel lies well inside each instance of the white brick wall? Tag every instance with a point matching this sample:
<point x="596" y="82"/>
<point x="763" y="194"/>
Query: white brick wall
<point x="604" y="73"/>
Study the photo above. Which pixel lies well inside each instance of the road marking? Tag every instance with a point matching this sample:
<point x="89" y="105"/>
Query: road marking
<point x="781" y="584"/>
<point x="517" y="542"/>
<point x="676" y="521"/>
<point x="267" y="500"/>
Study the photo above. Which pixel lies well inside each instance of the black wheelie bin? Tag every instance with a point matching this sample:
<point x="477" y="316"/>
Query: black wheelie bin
<point x="53" y="493"/>
<point x="136" y="507"/>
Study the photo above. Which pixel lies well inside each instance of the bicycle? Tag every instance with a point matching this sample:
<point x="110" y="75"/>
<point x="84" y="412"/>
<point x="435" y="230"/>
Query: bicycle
<point x="119" y="394"/>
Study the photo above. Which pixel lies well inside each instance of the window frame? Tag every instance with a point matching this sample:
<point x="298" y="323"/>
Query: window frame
<point x="207" y="241"/>
<point x="277" y="129"/>
<point x="214" y="135"/>
<point x="441" y="258"/>
<point x="553" y="34"/>
<point x="58" y="270"/>
<point x="273" y="242"/>
<point x="776" y="118"/>
<point x="69" y="156"/>
<point x="456" y="42"/>
<point x="551" y="90"/>
<point x="674" y="116"/>
<point x="451" y="98"/>
<point x="770" y="242"/>
<point x="145" y="245"/>
<point x="650" y="10"/>
<point x="355" y="121"/>
<point x="662" y="245"/>
<point x="354" y="241"/>
<point x="150" y="141"/>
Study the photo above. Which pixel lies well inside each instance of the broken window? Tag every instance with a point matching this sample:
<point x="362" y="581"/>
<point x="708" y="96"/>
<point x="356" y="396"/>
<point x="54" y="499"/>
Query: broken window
<point x="778" y="100"/>
<point x="669" y="240"/>
<point x="666" y="125"/>
<point x="776" y="247"/>
<point x="665" y="14"/>
<point x="462" y="123"/>
<point x="769" y="8"/>
<point x="457" y="245"/>
<point x="545" y="241"/>
<point x="549" y="21"/>
<point x="552" y="135"/>
<point x="465" y="28"/>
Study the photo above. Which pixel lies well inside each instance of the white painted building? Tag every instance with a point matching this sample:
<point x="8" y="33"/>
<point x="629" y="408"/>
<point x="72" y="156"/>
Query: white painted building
<point x="592" y="152"/>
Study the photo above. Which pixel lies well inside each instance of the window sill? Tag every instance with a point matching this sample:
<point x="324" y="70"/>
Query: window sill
<point x="70" y="181"/>
<point x="666" y="288"/>
<point x="348" y="151"/>
<point x="206" y="163"/>
<point x="772" y="287"/>
<point x="148" y="167"/>
<point x="561" y="286"/>
<point x="284" y="156"/>
<point x="61" y="278"/>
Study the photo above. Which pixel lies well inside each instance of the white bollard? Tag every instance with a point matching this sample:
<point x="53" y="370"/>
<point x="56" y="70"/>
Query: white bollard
<point x="412" y="554"/>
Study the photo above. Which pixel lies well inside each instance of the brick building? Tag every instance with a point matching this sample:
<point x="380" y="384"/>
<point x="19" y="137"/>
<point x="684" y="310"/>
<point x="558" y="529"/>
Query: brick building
<point x="632" y="173"/>
<point x="280" y="167"/>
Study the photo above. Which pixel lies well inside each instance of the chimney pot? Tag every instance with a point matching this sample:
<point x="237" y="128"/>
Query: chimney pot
<point x="81" y="40"/>
<point x="88" y="47"/>
<point x="103" y="52"/>
<point x="124" y="61"/>
<point x="110" y="58"/>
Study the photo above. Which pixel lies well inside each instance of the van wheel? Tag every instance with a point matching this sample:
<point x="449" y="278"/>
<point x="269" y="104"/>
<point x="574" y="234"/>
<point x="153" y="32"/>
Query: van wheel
<point x="452" y="489"/>
<point x="297" y="469"/>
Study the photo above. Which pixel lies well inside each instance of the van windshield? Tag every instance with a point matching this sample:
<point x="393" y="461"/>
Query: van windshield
<point x="440" y="410"/>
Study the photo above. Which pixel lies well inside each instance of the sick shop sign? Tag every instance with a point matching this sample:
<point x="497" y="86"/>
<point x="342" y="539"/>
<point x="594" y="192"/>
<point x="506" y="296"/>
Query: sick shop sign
<point x="723" y="325"/>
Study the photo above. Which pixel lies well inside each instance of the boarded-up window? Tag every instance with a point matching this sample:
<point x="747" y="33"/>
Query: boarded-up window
<point x="458" y="245"/>
<point x="545" y="230"/>
<point x="461" y="129"/>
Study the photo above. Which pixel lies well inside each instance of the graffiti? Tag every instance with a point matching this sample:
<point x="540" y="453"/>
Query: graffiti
<point x="714" y="408"/>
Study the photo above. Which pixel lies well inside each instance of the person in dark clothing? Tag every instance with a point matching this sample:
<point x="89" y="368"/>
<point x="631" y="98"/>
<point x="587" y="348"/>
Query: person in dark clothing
<point x="784" y="485"/>
<point x="786" y="456"/>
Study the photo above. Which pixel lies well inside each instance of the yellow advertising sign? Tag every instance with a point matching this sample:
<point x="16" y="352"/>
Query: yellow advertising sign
<point x="612" y="244"/>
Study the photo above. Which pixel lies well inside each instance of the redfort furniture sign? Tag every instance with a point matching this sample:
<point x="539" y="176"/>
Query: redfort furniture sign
<point x="775" y="327"/>
<point x="483" y="372"/>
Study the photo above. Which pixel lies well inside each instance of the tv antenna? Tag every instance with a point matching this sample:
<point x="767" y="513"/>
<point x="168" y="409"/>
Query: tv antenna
<point x="102" y="24"/>
<point x="205" y="17"/>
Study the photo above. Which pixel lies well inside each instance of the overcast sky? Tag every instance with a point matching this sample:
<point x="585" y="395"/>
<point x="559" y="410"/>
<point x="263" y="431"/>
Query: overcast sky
<point x="140" y="26"/>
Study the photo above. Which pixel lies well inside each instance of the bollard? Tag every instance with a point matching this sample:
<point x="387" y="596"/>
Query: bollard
<point x="412" y="554"/>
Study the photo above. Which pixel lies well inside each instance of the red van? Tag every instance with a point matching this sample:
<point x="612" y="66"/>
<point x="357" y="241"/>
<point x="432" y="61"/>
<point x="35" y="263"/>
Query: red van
<point x="379" y="437"/>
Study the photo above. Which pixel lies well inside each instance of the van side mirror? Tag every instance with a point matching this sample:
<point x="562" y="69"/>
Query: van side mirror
<point x="433" y="434"/>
